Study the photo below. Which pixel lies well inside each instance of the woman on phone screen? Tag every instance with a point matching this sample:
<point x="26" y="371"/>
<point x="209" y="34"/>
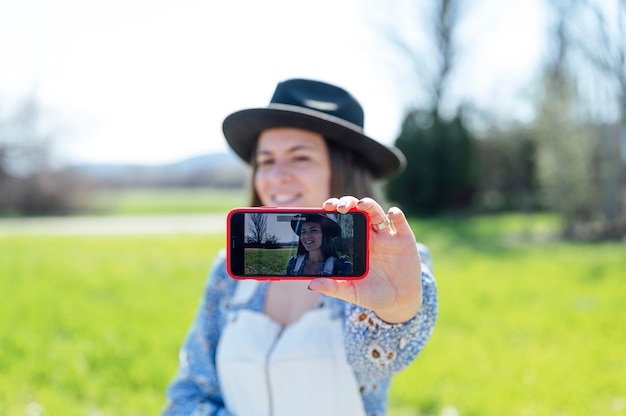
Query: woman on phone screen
<point x="317" y="254"/>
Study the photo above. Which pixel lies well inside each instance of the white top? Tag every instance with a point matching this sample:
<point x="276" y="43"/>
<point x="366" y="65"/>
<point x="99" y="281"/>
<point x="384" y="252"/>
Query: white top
<point x="265" y="369"/>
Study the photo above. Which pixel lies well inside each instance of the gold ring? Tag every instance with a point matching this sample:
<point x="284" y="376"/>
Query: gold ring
<point x="381" y="225"/>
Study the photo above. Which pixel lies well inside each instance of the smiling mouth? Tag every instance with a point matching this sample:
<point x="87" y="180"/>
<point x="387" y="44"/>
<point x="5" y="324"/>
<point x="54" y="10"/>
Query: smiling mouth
<point x="284" y="198"/>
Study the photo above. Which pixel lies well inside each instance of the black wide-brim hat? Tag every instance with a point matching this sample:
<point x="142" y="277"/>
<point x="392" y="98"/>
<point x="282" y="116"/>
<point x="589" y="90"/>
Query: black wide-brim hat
<point x="316" y="106"/>
<point x="329" y="226"/>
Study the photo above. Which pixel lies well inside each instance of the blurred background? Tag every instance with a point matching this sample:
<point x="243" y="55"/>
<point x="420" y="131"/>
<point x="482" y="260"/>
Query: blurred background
<point x="115" y="180"/>
<point x="499" y="106"/>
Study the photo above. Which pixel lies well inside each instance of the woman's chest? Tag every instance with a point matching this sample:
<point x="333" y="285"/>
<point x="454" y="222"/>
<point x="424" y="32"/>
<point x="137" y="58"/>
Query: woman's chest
<point x="285" y="302"/>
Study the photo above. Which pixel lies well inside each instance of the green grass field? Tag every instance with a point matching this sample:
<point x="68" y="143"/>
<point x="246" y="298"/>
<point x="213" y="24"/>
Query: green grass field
<point x="147" y="201"/>
<point x="527" y="326"/>
<point x="267" y="262"/>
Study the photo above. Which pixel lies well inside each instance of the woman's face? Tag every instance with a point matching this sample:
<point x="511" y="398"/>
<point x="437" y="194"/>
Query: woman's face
<point x="292" y="168"/>
<point x="311" y="236"/>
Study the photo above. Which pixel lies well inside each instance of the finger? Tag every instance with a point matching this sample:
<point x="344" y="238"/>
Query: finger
<point x="341" y="289"/>
<point x="346" y="203"/>
<point x="330" y="204"/>
<point x="399" y="221"/>
<point x="373" y="209"/>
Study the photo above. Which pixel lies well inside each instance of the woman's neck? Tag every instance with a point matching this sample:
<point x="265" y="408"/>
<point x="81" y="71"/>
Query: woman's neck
<point x="316" y="255"/>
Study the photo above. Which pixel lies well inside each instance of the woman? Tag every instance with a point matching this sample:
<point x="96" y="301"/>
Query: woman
<point x="317" y="254"/>
<point x="320" y="346"/>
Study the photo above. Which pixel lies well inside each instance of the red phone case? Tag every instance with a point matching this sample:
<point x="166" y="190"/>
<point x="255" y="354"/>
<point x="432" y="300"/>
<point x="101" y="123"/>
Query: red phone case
<point x="357" y="240"/>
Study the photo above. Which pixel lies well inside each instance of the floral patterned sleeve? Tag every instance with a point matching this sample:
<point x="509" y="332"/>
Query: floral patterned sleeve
<point x="195" y="390"/>
<point x="377" y="350"/>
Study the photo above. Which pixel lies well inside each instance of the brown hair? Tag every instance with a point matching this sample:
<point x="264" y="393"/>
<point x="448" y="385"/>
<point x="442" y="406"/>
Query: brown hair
<point x="349" y="176"/>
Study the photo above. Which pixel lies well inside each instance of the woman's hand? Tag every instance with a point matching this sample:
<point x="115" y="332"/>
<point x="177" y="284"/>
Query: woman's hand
<point x="393" y="285"/>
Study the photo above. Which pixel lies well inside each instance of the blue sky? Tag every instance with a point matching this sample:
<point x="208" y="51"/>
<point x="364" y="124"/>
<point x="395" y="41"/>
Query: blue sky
<point x="150" y="81"/>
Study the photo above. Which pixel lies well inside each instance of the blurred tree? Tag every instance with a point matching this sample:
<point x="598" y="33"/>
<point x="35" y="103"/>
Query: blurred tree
<point x="26" y="148"/>
<point x="565" y="151"/>
<point x="599" y="33"/>
<point x="441" y="171"/>
<point x="423" y="36"/>
<point x="30" y="184"/>
<point x="578" y="164"/>
<point x="506" y="175"/>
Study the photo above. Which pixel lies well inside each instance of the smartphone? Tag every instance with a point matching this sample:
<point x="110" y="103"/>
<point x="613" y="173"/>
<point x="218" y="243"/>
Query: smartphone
<point x="296" y="243"/>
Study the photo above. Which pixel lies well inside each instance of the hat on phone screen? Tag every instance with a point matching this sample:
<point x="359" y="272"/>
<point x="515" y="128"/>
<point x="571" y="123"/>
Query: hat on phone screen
<point x="315" y="106"/>
<point x="329" y="226"/>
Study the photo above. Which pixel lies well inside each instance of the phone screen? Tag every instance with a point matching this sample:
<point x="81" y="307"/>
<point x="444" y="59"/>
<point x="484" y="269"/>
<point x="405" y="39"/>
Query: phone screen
<point x="281" y="243"/>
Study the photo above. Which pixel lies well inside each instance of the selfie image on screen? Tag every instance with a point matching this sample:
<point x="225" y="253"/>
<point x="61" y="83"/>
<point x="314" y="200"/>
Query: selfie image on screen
<point x="298" y="244"/>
